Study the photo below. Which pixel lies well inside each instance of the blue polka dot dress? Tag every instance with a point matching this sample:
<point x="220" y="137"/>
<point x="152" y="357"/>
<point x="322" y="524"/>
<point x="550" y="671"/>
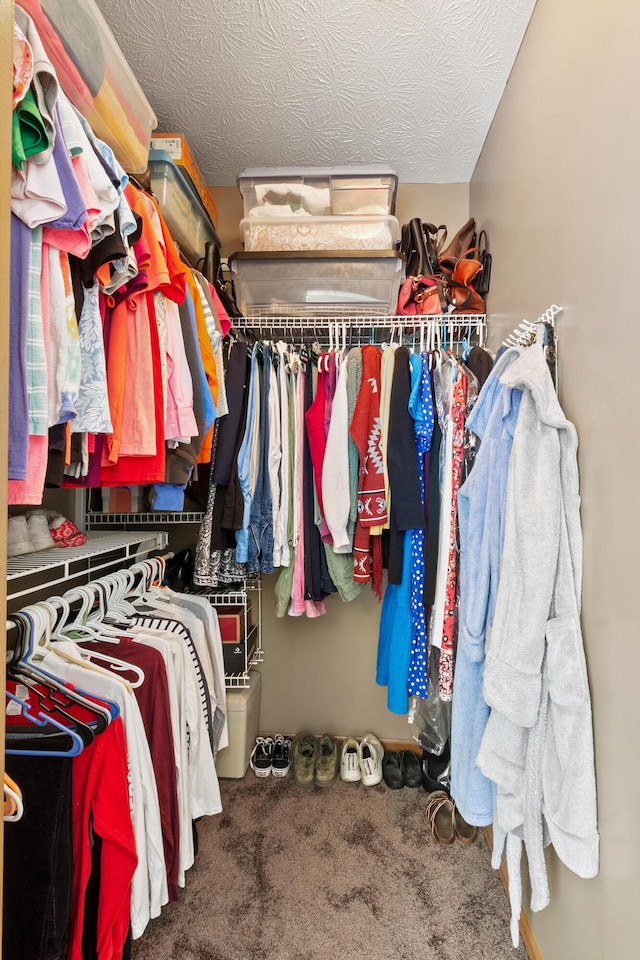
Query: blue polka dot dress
<point x="421" y="409"/>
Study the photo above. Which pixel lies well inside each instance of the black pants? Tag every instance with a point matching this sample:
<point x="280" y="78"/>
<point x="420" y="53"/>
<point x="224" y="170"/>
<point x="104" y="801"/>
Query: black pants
<point x="38" y="861"/>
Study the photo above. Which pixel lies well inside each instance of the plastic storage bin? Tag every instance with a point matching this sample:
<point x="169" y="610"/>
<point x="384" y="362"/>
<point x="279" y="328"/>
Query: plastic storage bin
<point x="243" y="715"/>
<point x="320" y="233"/>
<point x="319" y="191"/>
<point x="320" y="282"/>
<point x="95" y="76"/>
<point x="178" y="149"/>
<point x="186" y="217"/>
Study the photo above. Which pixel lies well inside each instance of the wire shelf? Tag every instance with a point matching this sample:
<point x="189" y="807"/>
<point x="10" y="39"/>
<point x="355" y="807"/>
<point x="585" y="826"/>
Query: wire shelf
<point x="242" y="680"/>
<point x="353" y="329"/>
<point x="94" y="519"/>
<point x="233" y="596"/>
<point x="46" y="568"/>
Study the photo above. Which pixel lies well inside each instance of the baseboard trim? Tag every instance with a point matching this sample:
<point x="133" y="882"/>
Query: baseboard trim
<point x="526" y="933"/>
<point x="387" y="744"/>
<point x="402" y="745"/>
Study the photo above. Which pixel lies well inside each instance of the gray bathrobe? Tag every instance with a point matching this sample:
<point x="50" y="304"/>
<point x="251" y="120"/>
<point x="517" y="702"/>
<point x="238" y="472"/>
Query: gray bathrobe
<point x="538" y="742"/>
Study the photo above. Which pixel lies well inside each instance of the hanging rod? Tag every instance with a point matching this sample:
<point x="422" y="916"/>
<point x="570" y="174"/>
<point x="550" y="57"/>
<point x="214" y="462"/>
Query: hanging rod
<point x="332" y="328"/>
<point x="523" y="332"/>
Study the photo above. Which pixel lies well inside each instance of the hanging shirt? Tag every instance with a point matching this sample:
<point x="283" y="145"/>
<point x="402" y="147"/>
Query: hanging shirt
<point x="101" y="808"/>
<point x="149" y="886"/>
<point x="365" y="430"/>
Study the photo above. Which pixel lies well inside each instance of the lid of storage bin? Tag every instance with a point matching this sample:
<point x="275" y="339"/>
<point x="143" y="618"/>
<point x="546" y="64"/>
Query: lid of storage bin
<point x="161" y="165"/>
<point x="373" y="170"/>
<point x="238" y="698"/>
<point x="316" y="255"/>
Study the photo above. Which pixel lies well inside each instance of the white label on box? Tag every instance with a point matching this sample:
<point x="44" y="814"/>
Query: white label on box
<point x="172" y="145"/>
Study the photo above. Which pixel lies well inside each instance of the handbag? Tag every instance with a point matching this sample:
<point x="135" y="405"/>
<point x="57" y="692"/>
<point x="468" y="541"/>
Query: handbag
<point x="420" y="245"/>
<point x="212" y="270"/>
<point x="421" y="295"/>
<point x="462" y="242"/>
<point x="483" y="281"/>
<point x="463" y="292"/>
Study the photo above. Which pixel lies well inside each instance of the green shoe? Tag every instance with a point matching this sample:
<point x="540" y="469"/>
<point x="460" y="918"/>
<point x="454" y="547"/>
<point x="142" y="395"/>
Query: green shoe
<point x="304" y="752"/>
<point x="327" y="763"/>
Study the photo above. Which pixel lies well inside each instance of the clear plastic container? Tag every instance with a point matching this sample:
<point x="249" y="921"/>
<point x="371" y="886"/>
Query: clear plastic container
<point x="186" y="217"/>
<point x="320" y="282"/>
<point x="95" y="76"/>
<point x="319" y="191"/>
<point x="320" y="233"/>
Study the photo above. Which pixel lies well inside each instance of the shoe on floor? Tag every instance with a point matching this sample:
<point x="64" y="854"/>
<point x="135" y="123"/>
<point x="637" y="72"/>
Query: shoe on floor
<point x="349" y="762"/>
<point x="262" y="757"/>
<point x="465" y="832"/>
<point x="370" y="754"/>
<point x="392" y="770"/>
<point x="281" y="761"/>
<point x="38" y="528"/>
<point x="327" y="762"/>
<point x="18" y="540"/>
<point x="411" y="769"/>
<point x="304" y="752"/>
<point x="436" y="770"/>
<point x="440" y="815"/>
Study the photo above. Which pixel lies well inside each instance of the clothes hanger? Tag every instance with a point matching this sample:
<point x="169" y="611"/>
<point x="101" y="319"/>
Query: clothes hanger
<point x="13" y="805"/>
<point x="41" y="720"/>
<point x="34" y="638"/>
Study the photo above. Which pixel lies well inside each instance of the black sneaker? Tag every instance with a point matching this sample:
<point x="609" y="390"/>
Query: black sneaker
<point x="261" y="759"/>
<point x="281" y="760"/>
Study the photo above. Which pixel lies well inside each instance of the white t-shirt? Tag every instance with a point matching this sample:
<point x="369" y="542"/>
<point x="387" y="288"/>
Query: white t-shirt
<point x="157" y="640"/>
<point x="209" y="618"/>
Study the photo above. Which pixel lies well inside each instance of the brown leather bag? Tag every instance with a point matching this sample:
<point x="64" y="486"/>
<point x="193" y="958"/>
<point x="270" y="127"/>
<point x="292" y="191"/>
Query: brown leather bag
<point x="462" y="292"/>
<point x="461" y="243"/>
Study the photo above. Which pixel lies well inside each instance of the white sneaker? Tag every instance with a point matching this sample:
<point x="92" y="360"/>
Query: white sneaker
<point x="370" y="754"/>
<point x="38" y="527"/>
<point x="18" y="540"/>
<point x="350" y="761"/>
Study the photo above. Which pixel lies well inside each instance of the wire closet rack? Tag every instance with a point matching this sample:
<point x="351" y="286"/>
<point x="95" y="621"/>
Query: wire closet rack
<point x="352" y="330"/>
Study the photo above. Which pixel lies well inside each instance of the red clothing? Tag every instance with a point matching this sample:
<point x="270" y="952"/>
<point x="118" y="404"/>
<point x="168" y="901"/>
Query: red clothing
<point x="365" y="431"/>
<point x="101" y="805"/>
<point x="458" y="411"/>
<point x="315" y="431"/>
<point x="153" y="699"/>
<point x="131" y="470"/>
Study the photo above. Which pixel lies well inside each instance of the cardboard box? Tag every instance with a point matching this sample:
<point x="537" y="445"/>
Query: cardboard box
<point x="232" y="623"/>
<point x="236" y="655"/>
<point x="178" y="149"/>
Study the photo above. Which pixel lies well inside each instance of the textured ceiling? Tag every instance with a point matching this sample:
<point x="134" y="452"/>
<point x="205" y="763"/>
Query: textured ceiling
<point x="413" y="83"/>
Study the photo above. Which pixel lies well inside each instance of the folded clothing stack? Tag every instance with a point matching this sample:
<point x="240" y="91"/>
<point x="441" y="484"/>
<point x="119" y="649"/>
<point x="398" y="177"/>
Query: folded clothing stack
<point x="41" y="530"/>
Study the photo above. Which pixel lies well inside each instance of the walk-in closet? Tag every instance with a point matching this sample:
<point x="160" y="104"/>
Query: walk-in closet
<point x="317" y="444"/>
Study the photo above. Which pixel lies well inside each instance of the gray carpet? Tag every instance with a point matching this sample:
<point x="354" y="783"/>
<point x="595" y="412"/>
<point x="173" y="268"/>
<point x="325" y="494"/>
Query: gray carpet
<point x="345" y="873"/>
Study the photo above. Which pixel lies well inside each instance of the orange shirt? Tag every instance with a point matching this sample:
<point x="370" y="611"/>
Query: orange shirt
<point x="208" y="360"/>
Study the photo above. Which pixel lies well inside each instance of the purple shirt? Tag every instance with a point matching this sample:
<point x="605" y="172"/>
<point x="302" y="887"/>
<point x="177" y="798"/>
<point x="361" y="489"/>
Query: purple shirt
<point x="18" y="319"/>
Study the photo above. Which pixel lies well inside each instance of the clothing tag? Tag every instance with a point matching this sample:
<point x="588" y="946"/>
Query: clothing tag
<point x="22" y="691"/>
<point x="13" y="709"/>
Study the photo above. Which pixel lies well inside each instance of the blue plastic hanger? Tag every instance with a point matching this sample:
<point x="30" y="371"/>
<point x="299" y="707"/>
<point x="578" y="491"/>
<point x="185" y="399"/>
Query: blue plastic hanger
<point x="42" y="720"/>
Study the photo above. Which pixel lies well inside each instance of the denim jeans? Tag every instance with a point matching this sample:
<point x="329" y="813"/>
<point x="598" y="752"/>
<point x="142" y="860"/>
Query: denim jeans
<point x="261" y="516"/>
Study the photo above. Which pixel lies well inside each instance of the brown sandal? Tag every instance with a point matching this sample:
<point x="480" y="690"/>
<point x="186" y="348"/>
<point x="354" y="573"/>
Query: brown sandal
<point x="440" y="814"/>
<point x="464" y="831"/>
